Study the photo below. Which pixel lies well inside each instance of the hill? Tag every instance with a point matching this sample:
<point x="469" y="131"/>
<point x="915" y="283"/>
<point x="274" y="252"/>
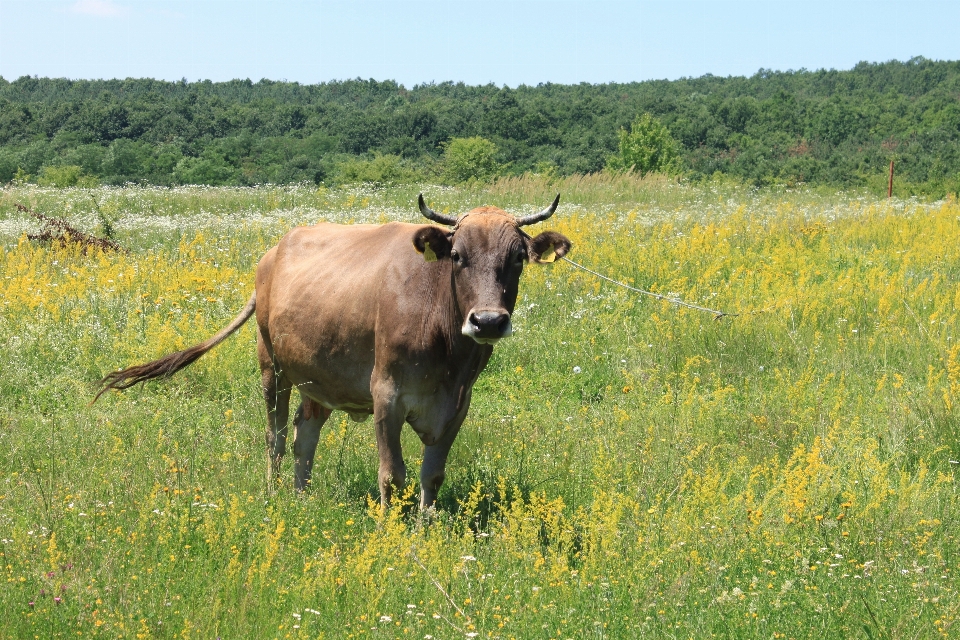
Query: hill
<point x="821" y="127"/>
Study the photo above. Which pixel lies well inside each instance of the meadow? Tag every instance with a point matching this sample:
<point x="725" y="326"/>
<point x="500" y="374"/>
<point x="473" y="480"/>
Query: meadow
<point x="629" y="468"/>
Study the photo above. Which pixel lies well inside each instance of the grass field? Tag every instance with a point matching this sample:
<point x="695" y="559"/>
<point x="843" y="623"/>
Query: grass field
<point x="628" y="468"/>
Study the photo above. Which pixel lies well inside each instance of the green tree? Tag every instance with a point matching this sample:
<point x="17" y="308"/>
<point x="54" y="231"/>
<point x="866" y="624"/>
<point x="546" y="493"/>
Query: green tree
<point x="466" y="158"/>
<point x="647" y="148"/>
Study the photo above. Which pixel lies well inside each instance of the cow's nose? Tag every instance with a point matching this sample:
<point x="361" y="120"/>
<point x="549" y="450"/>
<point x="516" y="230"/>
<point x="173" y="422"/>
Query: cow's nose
<point x="490" y="324"/>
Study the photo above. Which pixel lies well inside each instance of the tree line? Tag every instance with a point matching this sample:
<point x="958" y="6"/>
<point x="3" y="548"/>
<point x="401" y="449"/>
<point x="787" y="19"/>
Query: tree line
<point x="818" y="127"/>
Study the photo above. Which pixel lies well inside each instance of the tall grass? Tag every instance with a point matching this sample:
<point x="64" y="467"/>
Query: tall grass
<point x="628" y="468"/>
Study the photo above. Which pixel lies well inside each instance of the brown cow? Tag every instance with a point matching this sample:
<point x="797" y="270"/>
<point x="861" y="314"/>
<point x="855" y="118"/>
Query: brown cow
<point x="394" y="320"/>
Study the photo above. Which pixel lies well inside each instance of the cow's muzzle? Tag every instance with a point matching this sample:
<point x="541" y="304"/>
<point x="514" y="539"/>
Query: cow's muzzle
<point x="486" y="327"/>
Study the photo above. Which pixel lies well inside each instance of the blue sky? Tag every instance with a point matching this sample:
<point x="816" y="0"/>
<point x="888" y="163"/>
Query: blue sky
<point x="511" y="43"/>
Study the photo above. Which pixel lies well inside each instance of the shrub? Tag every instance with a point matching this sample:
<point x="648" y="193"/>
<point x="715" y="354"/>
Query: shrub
<point x="209" y="169"/>
<point x="470" y="158"/>
<point x="647" y="148"/>
<point x="66" y="176"/>
<point x="381" y="169"/>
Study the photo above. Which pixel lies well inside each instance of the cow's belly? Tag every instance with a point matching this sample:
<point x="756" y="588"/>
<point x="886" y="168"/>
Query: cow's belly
<point x="341" y="386"/>
<point x="336" y="378"/>
<point x="335" y="398"/>
<point x="324" y="361"/>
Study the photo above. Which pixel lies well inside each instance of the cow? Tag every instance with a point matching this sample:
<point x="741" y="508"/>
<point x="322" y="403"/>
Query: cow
<point x="394" y="320"/>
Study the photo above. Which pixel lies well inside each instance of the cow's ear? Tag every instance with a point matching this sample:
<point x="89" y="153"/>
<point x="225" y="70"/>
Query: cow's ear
<point x="432" y="242"/>
<point x="548" y="246"/>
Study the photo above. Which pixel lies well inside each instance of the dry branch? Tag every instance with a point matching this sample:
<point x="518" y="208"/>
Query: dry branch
<point x="62" y="232"/>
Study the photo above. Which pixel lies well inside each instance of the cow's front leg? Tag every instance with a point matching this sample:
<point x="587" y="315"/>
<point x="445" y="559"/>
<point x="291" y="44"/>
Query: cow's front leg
<point x="433" y="471"/>
<point x="389" y="421"/>
<point x="308" y="420"/>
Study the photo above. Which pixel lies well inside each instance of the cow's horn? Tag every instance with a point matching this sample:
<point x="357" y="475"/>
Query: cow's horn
<point x="539" y="217"/>
<point x="433" y="215"/>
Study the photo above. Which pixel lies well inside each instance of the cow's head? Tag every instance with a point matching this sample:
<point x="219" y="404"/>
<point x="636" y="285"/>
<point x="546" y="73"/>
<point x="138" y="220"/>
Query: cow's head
<point x="487" y="251"/>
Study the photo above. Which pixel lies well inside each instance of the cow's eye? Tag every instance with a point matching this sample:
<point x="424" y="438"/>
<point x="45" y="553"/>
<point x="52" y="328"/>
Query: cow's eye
<point x="521" y="257"/>
<point x="455" y="255"/>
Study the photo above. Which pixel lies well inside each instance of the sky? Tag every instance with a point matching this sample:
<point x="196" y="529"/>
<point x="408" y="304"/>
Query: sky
<point x="493" y="41"/>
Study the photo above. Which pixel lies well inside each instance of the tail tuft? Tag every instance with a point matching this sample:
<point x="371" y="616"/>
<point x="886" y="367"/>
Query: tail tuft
<point x="168" y="365"/>
<point x="161" y="368"/>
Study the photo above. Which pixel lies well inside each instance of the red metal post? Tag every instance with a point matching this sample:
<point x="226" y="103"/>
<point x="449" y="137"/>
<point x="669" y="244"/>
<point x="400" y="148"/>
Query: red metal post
<point x="890" y="184"/>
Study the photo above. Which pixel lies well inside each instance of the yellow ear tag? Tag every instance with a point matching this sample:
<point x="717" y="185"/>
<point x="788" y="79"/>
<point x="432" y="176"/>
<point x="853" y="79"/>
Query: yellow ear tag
<point x="428" y="253"/>
<point x="549" y="255"/>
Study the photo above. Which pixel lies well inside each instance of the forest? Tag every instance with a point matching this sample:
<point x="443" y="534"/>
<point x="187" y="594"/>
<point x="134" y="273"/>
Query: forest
<point x="825" y="127"/>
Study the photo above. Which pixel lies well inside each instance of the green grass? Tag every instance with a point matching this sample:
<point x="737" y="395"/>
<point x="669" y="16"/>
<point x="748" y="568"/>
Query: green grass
<point x="783" y="473"/>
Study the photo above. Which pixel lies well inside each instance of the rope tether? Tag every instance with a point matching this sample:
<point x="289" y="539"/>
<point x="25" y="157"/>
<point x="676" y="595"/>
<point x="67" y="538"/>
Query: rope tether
<point x="716" y="314"/>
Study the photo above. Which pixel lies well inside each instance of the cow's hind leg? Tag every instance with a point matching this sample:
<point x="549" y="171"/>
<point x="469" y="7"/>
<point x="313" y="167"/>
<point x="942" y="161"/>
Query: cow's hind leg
<point x="276" y="392"/>
<point x="308" y="421"/>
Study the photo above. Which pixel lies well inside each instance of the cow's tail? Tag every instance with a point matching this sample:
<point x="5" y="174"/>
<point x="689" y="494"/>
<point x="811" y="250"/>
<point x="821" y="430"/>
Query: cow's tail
<point x="170" y="364"/>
